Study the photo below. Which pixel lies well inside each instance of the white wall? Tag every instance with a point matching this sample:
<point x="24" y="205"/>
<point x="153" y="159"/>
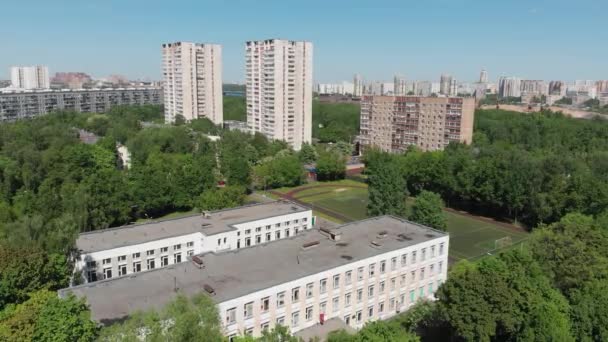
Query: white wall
<point x="401" y="291"/>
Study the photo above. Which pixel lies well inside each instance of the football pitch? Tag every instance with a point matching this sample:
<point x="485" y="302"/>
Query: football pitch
<point x="470" y="237"/>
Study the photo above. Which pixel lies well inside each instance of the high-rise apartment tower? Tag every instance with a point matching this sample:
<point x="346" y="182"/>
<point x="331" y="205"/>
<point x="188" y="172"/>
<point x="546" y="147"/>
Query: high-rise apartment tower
<point x="279" y="90"/>
<point x="30" y="77"/>
<point x="192" y="75"/>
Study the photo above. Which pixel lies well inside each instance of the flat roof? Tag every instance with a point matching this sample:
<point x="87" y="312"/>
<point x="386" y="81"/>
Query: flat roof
<point x="236" y="273"/>
<point x="218" y="222"/>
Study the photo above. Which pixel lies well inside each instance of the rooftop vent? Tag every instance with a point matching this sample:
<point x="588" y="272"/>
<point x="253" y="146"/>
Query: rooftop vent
<point x="198" y="261"/>
<point x="346" y="257"/>
<point x="382" y="234"/>
<point x="376" y="244"/>
<point x="207" y="224"/>
<point x="403" y="237"/>
<point x="209" y="289"/>
<point x="429" y="235"/>
<point x="310" y="244"/>
<point x="342" y="244"/>
<point x="294" y="208"/>
<point x="206" y="214"/>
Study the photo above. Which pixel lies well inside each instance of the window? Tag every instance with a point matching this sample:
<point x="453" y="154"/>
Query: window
<point x="281" y="320"/>
<point x="277" y="234"/>
<point x="247" y="231"/>
<point x="370" y="312"/>
<point x="287" y="232"/>
<point x="268" y="227"/>
<point x="219" y="242"/>
<point x="370" y="291"/>
<point x="421" y="292"/>
<point x="322" y="307"/>
<point x="382" y="287"/>
<point x="422" y="273"/>
<point x="393" y="284"/>
<point x="441" y="248"/>
<point x="296" y="221"/>
<point x="249" y="331"/>
<point x="122" y="258"/>
<point x="304" y="227"/>
<point x="393" y="264"/>
<point x="190" y="244"/>
<point x="91" y="276"/>
<point x="295" y="294"/>
<point x="164" y="249"/>
<point x="382" y="267"/>
<point x="295" y="319"/>
<point x="423" y="256"/>
<point x="107" y="273"/>
<point x="391" y="304"/>
<point x="359" y="295"/>
<point x="431" y="270"/>
<point x="402" y="300"/>
<point x="137" y="266"/>
<point x="432" y="251"/>
<point x="265" y="304"/>
<point x="268" y="237"/>
<point x="403" y="260"/>
<point x="309" y="314"/>
<point x="323" y="286"/>
<point x="295" y="231"/>
<point x="177" y="258"/>
<point x="258" y="239"/>
<point x="360" y="273"/>
<point x="413" y="257"/>
<point x="380" y="307"/>
<point x="430" y="288"/>
<point x="412" y="296"/>
<point x="309" y="290"/>
<point x="122" y="270"/>
<point x="413" y="276"/>
<point x="247" y="241"/>
<point x="335" y="304"/>
<point x="440" y="268"/>
<point x="190" y="252"/>
<point x="347" y="299"/>
<point x="280" y="299"/>
<point x="347" y="319"/>
<point x="264" y="326"/>
<point x="336" y="281"/>
<point x="91" y="264"/>
<point x="278" y="225"/>
<point x="258" y="229"/>
<point x="177" y="247"/>
<point x="135" y="255"/>
<point x="348" y="277"/>
<point x="305" y="219"/>
<point x="402" y="280"/>
<point x="359" y="316"/>
<point x="372" y="270"/>
<point x="150" y="252"/>
<point x="231" y="316"/>
<point x="164" y="261"/>
<point x="150" y="264"/>
<point x="287" y="223"/>
<point x="248" y="310"/>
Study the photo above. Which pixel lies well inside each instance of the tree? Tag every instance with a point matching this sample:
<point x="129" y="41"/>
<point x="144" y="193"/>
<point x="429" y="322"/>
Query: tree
<point x="428" y="210"/>
<point x="278" y="333"/>
<point x="590" y="311"/>
<point x="282" y="170"/>
<point x="331" y="165"/>
<point x="308" y="154"/>
<point x="378" y="331"/>
<point x="387" y="187"/>
<point x="183" y="319"/>
<point x="227" y="197"/>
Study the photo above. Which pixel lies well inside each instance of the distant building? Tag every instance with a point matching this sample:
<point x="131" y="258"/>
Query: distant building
<point x="72" y="80"/>
<point x="400" y="86"/>
<point x="483" y="76"/>
<point x="30" y="77"/>
<point x="445" y="84"/>
<point x="279" y="89"/>
<point x="602" y="86"/>
<point x="117" y="80"/>
<point x="344" y="88"/>
<point x="234" y="125"/>
<point x="192" y="75"/>
<point x="392" y="123"/>
<point x="357" y="85"/>
<point x="536" y="87"/>
<point x="124" y="155"/>
<point x="557" y="88"/>
<point x="453" y="88"/>
<point x="15" y="105"/>
<point x="509" y="87"/>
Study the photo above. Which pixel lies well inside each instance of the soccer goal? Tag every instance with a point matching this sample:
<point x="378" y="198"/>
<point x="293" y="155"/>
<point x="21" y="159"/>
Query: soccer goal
<point x="503" y="242"/>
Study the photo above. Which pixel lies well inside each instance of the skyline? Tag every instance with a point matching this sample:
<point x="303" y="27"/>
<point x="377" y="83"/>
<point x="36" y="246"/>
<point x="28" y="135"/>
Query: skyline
<point x="528" y="39"/>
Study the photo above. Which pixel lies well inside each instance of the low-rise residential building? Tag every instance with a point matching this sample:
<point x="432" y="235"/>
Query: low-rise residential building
<point x="358" y="272"/>
<point x="25" y="104"/>
<point x="392" y="123"/>
<point x="115" y="252"/>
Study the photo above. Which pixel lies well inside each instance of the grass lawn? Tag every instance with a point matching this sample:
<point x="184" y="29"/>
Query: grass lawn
<point x="469" y="237"/>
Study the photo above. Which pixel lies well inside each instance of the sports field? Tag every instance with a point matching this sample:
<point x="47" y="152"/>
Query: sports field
<point x="344" y="201"/>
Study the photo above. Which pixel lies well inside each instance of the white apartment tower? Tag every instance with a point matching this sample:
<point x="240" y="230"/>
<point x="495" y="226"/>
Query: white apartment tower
<point x="279" y="90"/>
<point x="30" y="77"/>
<point x="400" y="86"/>
<point x="357" y="86"/>
<point x="483" y="76"/>
<point x="192" y="75"/>
<point x="445" y="84"/>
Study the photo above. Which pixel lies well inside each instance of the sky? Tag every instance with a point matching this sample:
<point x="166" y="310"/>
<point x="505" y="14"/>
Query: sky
<point x="531" y="39"/>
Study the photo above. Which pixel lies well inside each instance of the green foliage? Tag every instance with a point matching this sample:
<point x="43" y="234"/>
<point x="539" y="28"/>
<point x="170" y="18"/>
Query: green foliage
<point x="26" y="269"/>
<point x="387" y="187"/>
<point x="428" y="210"/>
<point x="227" y="197"/>
<point x="183" y="319"/>
<point x="564" y="100"/>
<point x="234" y="108"/>
<point x="277" y="334"/>
<point x="278" y="171"/>
<point x="333" y="122"/>
<point x="45" y="317"/>
<point x="307" y="154"/>
<point x="204" y="125"/>
<point x="590" y="311"/>
<point x="331" y="165"/>
<point x="378" y="331"/>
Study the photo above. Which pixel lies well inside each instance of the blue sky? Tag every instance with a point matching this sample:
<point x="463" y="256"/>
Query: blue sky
<point x="420" y="39"/>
